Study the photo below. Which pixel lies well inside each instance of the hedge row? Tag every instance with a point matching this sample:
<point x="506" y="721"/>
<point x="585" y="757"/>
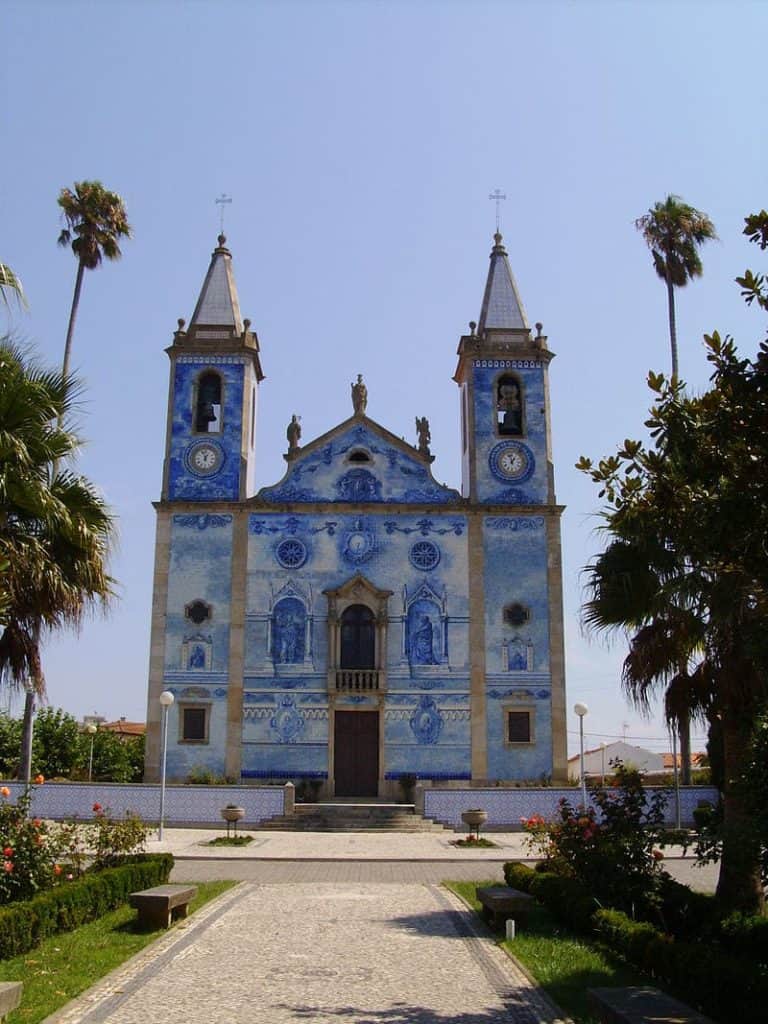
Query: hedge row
<point x="24" y="925"/>
<point x="701" y="972"/>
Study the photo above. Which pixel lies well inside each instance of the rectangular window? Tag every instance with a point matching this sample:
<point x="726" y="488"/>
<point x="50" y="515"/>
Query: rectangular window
<point x="194" y="724"/>
<point x="519" y="727"/>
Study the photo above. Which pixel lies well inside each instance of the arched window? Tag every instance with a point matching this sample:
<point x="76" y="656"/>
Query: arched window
<point x="208" y="405"/>
<point x="358" y="637"/>
<point x="359" y="456"/>
<point x="509" y="405"/>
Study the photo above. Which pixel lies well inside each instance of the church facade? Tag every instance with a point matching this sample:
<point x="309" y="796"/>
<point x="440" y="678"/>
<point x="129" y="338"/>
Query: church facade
<point x="357" y="622"/>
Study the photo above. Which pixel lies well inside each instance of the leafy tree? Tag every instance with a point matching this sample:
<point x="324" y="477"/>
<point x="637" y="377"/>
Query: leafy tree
<point x="95" y="221"/>
<point x="10" y="744"/>
<point x="55" y="528"/>
<point x="56" y="743"/>
<point x="686" y="569"/>
<point x="673" y="231"/>
<point x="116" y="759"/>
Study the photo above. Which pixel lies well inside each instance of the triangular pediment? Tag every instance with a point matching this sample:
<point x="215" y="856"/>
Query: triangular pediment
<point x="359" y="462"/>
<point x="359" y="588"/>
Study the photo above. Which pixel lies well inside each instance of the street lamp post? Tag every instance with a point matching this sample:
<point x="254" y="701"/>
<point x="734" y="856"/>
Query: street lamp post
<point x="166" y="699"/>
<point x="581" y="710"/>
<point x="29" y="725"/>
<point x="676" y="773"/>
<point x="91" y="730"/>
<point x="602" y="764"/>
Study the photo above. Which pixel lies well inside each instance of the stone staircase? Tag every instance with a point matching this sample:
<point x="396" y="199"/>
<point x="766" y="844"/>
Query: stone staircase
<point x="353" y="817"/>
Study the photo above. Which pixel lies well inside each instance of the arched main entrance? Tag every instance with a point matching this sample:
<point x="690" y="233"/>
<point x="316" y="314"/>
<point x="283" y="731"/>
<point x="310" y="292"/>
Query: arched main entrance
<point x="356" y="749"/>
<point x="357" y="645"/>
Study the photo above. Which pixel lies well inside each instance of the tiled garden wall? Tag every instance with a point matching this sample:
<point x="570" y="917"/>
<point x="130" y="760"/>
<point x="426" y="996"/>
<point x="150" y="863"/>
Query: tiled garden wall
<point x="508" y="806"/>
<point x="184" y="805"/>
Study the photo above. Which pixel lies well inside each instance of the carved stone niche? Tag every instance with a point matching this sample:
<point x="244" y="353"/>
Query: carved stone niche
<point x="357" y="595"/>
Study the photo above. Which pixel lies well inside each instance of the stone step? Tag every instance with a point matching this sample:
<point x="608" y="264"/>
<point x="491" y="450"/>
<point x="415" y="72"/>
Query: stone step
<point x="319" y="822"/>
<point x="353" y="816"/>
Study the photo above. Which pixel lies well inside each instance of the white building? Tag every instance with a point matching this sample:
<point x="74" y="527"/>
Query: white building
<point x="599" y="762"/>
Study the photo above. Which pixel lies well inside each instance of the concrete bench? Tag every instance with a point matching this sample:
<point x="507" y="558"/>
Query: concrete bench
<point x="500" y="902"/>
<point x="159" y="906"/>
<point x="10" y="997"/>
<point x="638" y="1005"/>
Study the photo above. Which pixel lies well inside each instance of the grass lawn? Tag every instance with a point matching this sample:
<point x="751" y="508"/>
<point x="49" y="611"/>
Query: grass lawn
<point x="565" y="965"/>
<point x="67" y="964"/>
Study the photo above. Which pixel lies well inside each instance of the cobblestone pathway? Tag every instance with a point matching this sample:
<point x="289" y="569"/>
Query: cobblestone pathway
<point x="354" y="952"/>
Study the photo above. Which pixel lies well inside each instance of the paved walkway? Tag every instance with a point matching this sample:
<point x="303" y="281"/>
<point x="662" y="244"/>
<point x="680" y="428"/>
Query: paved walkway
<point x="367" y="954"/>
<point x="328" y="927"/>
<point x="365" y="857"/>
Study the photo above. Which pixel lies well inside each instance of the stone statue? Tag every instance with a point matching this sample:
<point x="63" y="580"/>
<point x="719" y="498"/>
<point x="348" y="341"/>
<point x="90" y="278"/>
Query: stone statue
<point x="359" y="396"/>
<point x="422" y="430"/>
<point x="293" y="433"/>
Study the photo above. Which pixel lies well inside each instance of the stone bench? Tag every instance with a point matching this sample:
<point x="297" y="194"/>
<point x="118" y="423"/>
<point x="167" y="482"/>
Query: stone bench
<point x="500" y="902"/>
<point x="159" y="906"/>
<point x="641" y="1005"/>
<point x="10" y="997"/>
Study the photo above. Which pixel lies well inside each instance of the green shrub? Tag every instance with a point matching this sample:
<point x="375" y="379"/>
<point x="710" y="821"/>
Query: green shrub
<point x="746" y="936"/>
<point x="702" y="974"/>
<point x="567" y="899"/>
<point x="24" y="925"/>
<point x="518" y="876"/>
<point x="686" y="914"/>
<point x="611" y="847"/>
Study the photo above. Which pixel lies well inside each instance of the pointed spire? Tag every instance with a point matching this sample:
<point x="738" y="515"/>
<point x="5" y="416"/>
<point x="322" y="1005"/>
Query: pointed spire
<point x="218" y="305"/>
<point x="502" y="308"/>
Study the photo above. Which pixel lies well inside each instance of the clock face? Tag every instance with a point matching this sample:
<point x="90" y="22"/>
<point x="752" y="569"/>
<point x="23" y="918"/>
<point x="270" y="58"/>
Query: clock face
<point x="204" y="458"/>
<point x="511" y="461"/>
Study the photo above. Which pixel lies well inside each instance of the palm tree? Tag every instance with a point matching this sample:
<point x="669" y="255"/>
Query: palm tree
<point x="683" y="644"/>
<point x="673" y="231"/>
<point x="55" y="529"/>
<point x="10" y="285"/>
<point x="96" y="220"/>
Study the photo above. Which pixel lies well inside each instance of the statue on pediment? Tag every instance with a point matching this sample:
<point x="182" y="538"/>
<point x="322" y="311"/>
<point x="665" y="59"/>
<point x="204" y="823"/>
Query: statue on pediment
<point x="423" y="434"/>
<point x="293" y="433"/>
<point x="359" y="396"/>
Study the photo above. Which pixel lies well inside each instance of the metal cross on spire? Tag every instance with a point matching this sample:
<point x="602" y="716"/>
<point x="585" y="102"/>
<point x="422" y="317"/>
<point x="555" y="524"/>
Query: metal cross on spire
<point x="222" y="201"/>
<point x="498" y="196"/>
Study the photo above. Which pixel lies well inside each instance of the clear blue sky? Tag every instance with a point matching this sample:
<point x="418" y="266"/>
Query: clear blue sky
<point x="359" y="142"/>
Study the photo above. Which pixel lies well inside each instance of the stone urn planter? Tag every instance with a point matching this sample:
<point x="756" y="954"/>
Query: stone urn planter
<point x="473" y="819"/>
<point x="232" y="814"/>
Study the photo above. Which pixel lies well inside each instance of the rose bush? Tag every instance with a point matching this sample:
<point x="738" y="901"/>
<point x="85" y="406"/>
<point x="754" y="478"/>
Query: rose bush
<point x="612" y="846"/>
<point x="30" y="851"/>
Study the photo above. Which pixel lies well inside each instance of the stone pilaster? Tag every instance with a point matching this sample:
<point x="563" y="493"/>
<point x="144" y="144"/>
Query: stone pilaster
<point x="233" y="754"/>
<point x="556" y="649"/>
<point x="157" y="645"/>
<point x="478" y="725"/>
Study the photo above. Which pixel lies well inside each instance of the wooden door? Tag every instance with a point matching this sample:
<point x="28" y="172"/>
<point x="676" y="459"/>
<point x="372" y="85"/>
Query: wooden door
<point x="356" y="753"/>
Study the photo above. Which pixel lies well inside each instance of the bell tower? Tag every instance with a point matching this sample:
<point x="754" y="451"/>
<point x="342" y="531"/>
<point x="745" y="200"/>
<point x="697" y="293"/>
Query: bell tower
<point x="213" y="398"/>
<point x="502" y="375"/>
